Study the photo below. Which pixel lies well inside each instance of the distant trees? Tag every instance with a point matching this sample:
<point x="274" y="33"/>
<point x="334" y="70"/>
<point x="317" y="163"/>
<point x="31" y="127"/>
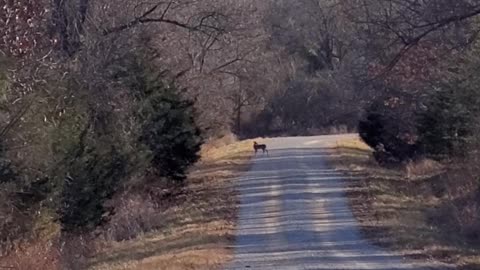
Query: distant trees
<point x="319" y="68"/>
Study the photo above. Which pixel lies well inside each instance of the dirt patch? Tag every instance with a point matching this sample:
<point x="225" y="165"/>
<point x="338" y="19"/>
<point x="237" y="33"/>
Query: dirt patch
<point x="196" y="226"/>
<point x="423" y="210"/>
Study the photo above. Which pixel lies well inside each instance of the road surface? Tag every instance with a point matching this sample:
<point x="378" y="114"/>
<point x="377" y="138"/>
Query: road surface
<point x="294" y="214"/>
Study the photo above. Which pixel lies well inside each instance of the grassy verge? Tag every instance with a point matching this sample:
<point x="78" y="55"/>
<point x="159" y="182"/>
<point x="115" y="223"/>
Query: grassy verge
<point x="425" y="211"/>
<point x="196" y="225"/>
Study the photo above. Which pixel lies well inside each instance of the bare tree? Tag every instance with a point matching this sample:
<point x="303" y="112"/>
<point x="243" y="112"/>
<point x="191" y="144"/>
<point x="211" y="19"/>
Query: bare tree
<point x="395" y="27"/>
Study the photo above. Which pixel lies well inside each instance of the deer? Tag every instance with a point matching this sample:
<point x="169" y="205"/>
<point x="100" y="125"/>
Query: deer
<point x="257" y="146"/>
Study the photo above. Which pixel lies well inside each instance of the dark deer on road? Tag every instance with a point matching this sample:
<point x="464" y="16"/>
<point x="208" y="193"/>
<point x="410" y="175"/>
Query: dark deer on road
<point x="257" y="146"/>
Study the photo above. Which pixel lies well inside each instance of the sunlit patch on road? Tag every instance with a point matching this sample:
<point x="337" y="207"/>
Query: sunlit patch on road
<point x="312" y="142"/>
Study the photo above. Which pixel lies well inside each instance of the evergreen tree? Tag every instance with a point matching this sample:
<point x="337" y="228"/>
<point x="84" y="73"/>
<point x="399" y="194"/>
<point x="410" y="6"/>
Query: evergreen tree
<point x="168" y="126"/>
<point x="94" y="176"/>
<point x="447" y="124"/>
<point x="93" y="167"/>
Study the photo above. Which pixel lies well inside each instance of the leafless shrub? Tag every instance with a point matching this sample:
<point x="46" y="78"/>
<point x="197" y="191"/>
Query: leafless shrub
<point x="135" y="214"/>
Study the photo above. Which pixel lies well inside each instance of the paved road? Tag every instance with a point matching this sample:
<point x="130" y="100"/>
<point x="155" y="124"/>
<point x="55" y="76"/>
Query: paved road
<point x="294" y="214"/>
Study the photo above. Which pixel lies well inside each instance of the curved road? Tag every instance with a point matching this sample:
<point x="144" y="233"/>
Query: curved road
<point x="294" y="214"/>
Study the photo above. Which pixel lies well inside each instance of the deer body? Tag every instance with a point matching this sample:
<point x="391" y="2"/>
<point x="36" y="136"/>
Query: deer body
<point x="262" y="147"/>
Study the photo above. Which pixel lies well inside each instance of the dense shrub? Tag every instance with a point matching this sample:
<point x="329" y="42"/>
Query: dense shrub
<point x="384" y="129"/>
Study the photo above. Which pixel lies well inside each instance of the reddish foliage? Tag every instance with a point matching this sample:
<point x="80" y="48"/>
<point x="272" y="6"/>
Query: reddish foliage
<point x="22" y="25"/>
<point x="417" y="66"/>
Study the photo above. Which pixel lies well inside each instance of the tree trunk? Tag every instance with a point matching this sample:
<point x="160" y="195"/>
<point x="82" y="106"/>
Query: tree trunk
<point x="238" y="120"/>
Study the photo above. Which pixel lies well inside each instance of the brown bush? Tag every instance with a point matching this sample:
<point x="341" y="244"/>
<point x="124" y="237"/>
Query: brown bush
<point x="135" y="214"/>
<point x="39" y="256"/>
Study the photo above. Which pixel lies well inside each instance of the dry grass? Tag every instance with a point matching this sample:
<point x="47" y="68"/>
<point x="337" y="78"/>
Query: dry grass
<point x="352" y="144"/>
<point x="421" y="209"/>
<point x="193" y="230"/>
